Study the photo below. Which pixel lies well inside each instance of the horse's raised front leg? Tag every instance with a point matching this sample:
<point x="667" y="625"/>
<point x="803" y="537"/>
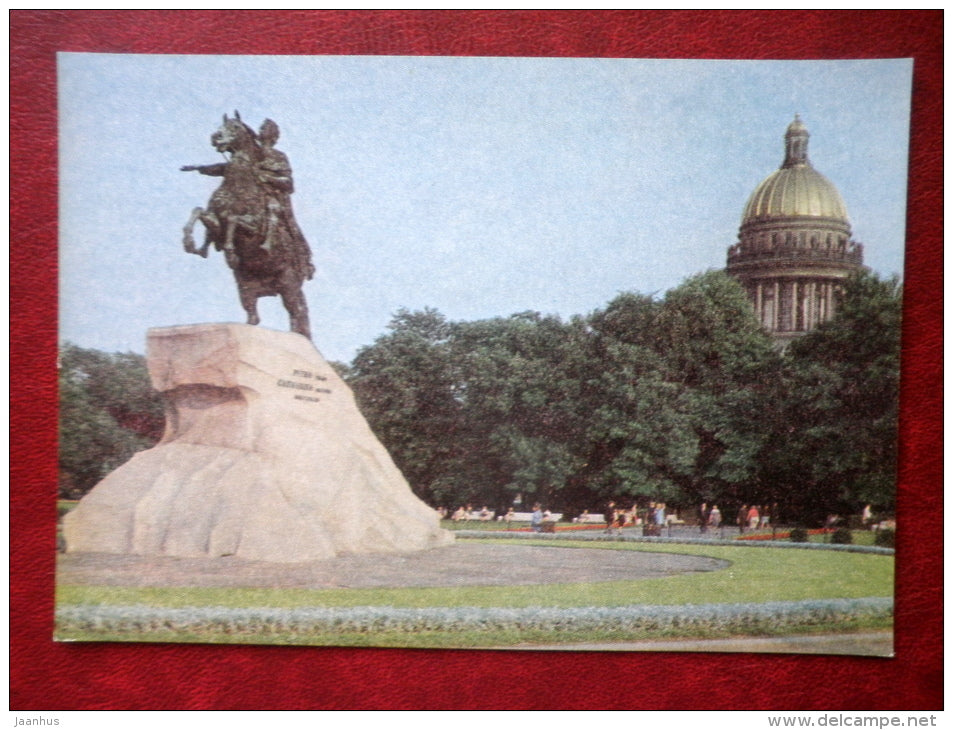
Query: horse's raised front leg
<point x="187" y="241"/>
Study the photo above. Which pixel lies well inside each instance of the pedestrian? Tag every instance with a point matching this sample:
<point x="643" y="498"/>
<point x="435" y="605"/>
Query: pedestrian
<point x="714" y="518"/>
<point x="754" y="517"/>
<point x="609" y="516"/>
<point x="619" y="521"/>
<point x="742" y="516"/>
<point x="703" y="517"/>
<point x="536" y="521"/>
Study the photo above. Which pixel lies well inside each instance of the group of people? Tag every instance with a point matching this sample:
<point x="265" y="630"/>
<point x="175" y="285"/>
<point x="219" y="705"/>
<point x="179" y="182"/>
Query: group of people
<point x="467" y="513"/>
<point x="460" y="514"/>
<point x="748" y="517"/>
<point x="617" y="517"/>
<point x="709" y="518"/>
<point x="464" y="514"/>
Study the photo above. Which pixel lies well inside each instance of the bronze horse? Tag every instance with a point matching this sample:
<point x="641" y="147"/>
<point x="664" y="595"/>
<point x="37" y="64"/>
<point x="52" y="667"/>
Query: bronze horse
<point x="253" y="224"/>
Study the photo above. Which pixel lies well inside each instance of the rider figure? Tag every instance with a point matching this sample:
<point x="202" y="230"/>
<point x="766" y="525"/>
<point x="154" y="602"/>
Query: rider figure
<point x="274" y="174"/>
<point x="274" y="178"/>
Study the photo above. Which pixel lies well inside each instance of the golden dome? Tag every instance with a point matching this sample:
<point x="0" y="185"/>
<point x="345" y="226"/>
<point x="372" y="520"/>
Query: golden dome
<point x="793" y="192"/>
<point x="796" y="189"/>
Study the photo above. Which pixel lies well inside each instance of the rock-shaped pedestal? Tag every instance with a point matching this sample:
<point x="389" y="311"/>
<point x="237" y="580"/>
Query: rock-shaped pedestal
<point x="265" y="457"/>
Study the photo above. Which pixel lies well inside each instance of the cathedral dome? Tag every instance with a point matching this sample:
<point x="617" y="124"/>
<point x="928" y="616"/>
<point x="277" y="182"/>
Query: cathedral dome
<point x="794" y="248"/>
<point x="796" y="189"/>
<point x="794" y="192"/>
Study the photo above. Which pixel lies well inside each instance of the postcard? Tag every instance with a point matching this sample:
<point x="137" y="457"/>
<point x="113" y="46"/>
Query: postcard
<point x="492" y="353"/>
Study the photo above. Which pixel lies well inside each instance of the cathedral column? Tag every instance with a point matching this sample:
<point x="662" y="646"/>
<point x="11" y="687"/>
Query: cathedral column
<point x="812" y="306"/>
<point x="808" y="286"/>
<point x="794" y="307"/>
<point x="776" y="314"/>
<point x="806" y="300"/>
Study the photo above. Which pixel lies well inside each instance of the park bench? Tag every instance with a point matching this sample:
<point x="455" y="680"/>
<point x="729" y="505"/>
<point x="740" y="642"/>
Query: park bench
<point x="590" y="519"/>
<point x="528" y="517"/>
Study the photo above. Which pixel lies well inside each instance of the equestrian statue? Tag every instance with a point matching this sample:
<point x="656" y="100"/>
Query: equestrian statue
<point x="249" y="217"/>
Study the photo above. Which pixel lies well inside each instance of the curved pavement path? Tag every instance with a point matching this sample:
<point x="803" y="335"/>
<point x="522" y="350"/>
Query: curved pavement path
<point x="460" y="564"/>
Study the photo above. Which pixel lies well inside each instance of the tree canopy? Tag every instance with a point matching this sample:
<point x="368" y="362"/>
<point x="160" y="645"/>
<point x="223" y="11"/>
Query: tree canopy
<point x="682" y="399"/>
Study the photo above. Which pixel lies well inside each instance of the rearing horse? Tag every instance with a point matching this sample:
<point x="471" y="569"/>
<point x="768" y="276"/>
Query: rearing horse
<point x="264" y="258"/>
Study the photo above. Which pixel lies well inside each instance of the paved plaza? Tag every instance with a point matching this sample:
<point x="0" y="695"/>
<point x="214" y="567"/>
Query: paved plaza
<point x="464" y="563"/>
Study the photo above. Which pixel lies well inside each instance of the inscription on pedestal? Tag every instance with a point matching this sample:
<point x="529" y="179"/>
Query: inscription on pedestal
<point x="303" y="386"/>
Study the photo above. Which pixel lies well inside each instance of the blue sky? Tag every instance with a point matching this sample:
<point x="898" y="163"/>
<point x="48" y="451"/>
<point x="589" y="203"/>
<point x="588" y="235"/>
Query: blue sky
<point x="479" y="186"/>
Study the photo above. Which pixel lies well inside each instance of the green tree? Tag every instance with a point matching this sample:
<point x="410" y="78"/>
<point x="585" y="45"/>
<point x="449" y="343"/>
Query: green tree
<point x="475" y="412"/>
<point x="405" y="386"/>
<point x="837" y="446"/>
<point x="521" y="384"/>
<point x="636" y="431"/>
<point x="716" y="350"/>
<point x="108" y="412"/>
<point x="686" y="384"/>
<point x="709" y="336"/>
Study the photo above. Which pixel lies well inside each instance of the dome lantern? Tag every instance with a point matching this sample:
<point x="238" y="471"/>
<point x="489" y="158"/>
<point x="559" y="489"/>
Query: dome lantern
<point x="795" y="144"/>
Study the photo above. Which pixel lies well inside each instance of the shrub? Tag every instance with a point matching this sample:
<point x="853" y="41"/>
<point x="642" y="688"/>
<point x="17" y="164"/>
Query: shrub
<point x="842" y="536"/>
<point x="798" y="534"/>
<point x="885" y="538"/>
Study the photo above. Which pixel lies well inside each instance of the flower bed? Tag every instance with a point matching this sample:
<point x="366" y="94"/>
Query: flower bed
<point x="783" y="535"/>
<point x="562" y="528"/>
<point x="601" y="536"/>
<point x="636" y="620"/>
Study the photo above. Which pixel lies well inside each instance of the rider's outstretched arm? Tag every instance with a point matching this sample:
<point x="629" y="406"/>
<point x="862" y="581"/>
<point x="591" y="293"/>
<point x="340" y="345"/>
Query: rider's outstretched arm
<point x="216" y="170"/>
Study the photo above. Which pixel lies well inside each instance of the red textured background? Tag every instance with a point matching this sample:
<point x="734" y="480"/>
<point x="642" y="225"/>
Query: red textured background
<point x="48" y="676"/>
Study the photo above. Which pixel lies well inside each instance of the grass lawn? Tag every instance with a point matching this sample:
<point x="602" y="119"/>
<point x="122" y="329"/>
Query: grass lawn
<point x="858" y="537"/>
<point x="756" y="575"/>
